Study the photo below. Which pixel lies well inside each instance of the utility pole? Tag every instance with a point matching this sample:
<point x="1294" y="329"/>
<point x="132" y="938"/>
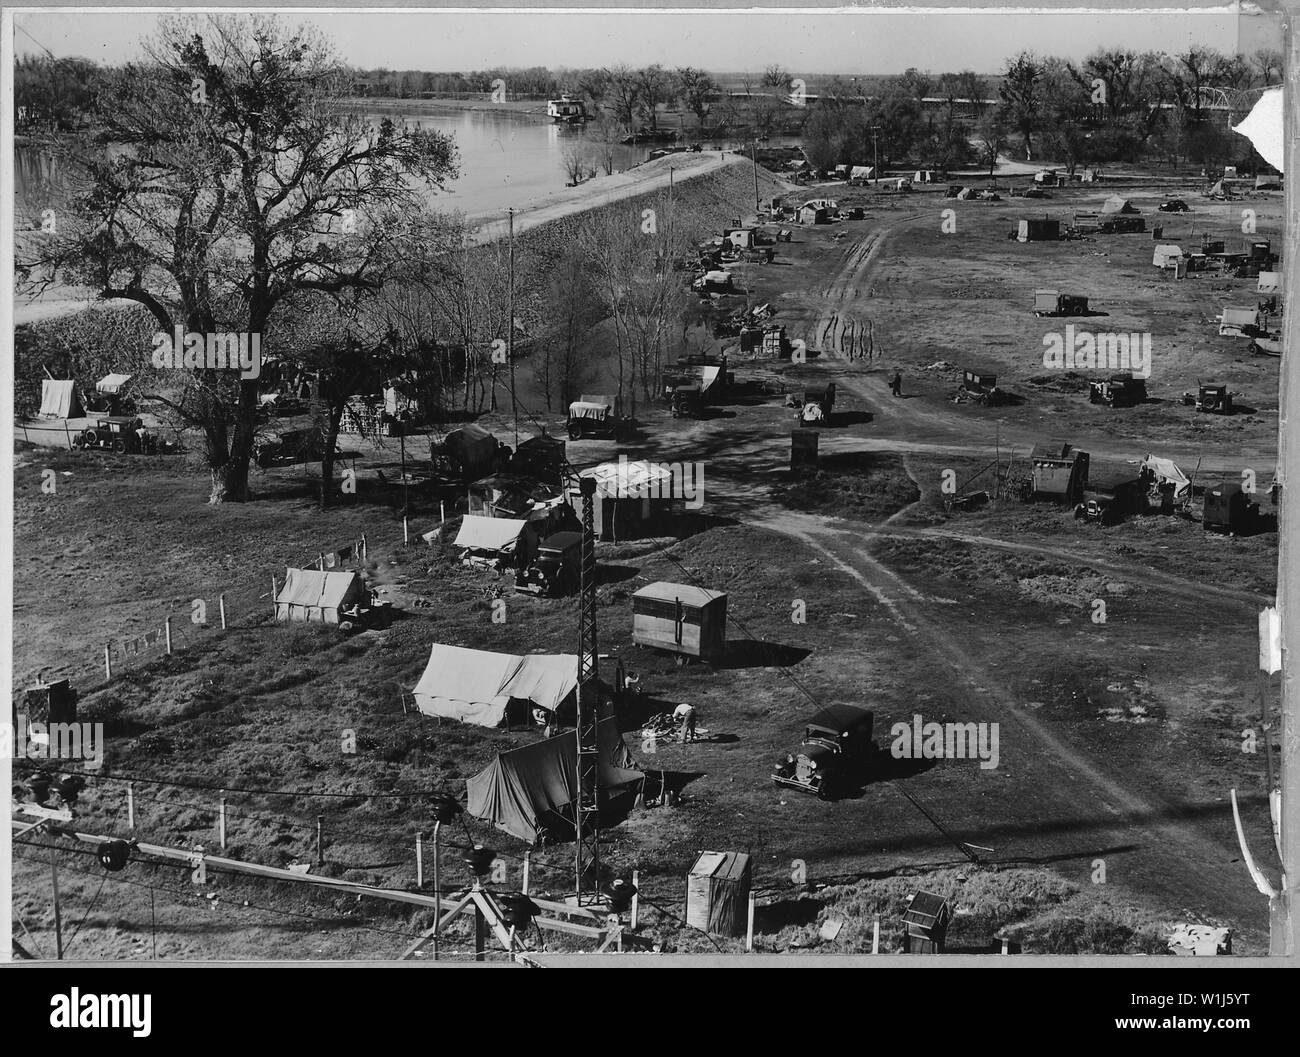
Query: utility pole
<point x="875" y="154"/>
<point x="58" y="917"/>
<point x="510" y="325"/>
<point x="586" y="817"/>
<point x="753" y="157"/>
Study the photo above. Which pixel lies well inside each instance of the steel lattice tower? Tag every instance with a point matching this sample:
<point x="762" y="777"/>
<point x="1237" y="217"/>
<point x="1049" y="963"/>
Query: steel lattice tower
<point x="587" y="815"/>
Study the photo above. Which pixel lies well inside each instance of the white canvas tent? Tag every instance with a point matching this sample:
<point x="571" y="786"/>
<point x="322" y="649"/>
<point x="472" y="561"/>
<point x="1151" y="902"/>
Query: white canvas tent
<point x="317" y="596"/>
<point x="475" y="686"/>
<point x="1269" y="282"/>
<point x="489" y="533"/>
<point x="1167" y="256"/>
<point x="112" y="384"/>
<point x="860" y="173"/>
<point x="1117" y="204"/>
<point x="59" y="399"/>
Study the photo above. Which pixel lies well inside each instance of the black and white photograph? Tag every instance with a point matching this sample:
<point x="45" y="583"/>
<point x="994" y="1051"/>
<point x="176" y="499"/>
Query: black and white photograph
<point x="650" y="487"/>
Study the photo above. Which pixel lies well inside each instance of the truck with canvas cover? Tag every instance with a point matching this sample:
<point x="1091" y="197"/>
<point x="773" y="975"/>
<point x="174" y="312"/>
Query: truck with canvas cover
<point x="688" y="622"/>
<point x="467" y="453"/>
<point x="1060" y="472"/>
<point x="1055" y="303"/>
<point x="837" y="747"/>
<point x="1119" y="390"/>
<point x="818" y="403"/>
<point x="593" y="416"/>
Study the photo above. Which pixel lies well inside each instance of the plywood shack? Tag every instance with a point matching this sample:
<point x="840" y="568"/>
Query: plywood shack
<point x="682" y="619"/>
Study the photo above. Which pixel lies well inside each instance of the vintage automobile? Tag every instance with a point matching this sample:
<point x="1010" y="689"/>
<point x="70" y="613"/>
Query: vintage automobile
<point x="594" y="416"/>
<point x="1174" y="205"/>
<point x="837" y="746"/>
<point x="817" y="405"/>
<point x="1098" y="511"/>
<point x="555" y="569"/>
<point x="292" y="446"/>
<point x="120" y="433"/>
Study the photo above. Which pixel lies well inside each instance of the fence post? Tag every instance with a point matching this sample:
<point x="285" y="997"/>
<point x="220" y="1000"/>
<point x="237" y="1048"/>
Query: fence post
<point x="130" y="806"/>
<point x="320" y="839"/>
<point x="223" y="818"/>
<point x="322" y="562"/>
<point x="749" y="928"/>
<point x="221" y="601"/>
<point x="167" y="632"/>
<point x="365" y="548"/>
<point x="406" y="536"/>
<point x="527" y="864"/>
<point x="636" y="899"/>
<point x="419" y="861"/>
<point x="108" y="663"/>
<point x="875" y="935"/>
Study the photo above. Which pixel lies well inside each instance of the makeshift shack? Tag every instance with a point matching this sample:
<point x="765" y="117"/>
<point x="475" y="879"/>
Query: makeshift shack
<point x="814" y="215"/>
<point x="316" y="596"/>
<point x="475" y="686"/>
<point x="1118" y="390"/>
<point x="529" y="792"/>
<point x="1043" y="230"/>
<point x="717" y="893"/>
<point x="1060" y="472"/>
<point x="1229" y="509"/>
<point x="506" y="495"/>
<point x="470" y="451"/>
<point x="631" y="499"/>
<point x="496" y="541"/>
<point x="59" y="398"/>
<point x="927" y="918"/>
<point x="1240" y="322"/>
<point x="1167" y="256"/>
<point x="685" y="620"/>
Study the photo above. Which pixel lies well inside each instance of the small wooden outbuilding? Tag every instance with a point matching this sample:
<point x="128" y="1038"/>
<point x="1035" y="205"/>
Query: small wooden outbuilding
<point x="717" y="893"/>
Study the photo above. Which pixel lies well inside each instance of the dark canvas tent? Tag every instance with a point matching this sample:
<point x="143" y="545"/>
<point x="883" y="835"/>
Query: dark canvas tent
<point x="527" y="791"/>
<point x="59" y="399"/>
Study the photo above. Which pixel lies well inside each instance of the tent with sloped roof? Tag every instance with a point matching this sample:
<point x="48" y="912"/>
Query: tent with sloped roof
<point x="495" y="537"/>
<point x="59" y="398"/>
<point x="476" y="686"/>
<point x="319" y="596"/>
<point x="1117" y="204"/>
<point x="529" y="792"/>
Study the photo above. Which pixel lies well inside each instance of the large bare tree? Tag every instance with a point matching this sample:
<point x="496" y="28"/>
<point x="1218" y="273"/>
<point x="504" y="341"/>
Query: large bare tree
<point x="222" y="177"/>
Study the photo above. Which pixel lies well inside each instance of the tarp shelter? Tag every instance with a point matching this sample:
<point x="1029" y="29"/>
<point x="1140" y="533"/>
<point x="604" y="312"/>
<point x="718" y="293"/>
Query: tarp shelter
<point x="717" y="893"/>
<point x="473" y="447"/>
<point x="1269" y="282"/>
<point x="112" y="384"/>
<point x="59" y="399"/>
<point x="1165" y="472"/>
<point x="317" y="596"/>
<point x="1234" y="321"/>
<point x="1117" y="204"/>
<point x="629" y="497"/>
<point x="1218" y="190"/>
<point x="1044" y="230"/>
<point x="490" y="535"/>
<point x="528" y="792"/>
<point x="475" y="686"/>
<point x="1167" y="256"/>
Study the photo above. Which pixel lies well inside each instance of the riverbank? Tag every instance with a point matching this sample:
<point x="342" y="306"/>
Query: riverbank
<point x="527" y="108"/>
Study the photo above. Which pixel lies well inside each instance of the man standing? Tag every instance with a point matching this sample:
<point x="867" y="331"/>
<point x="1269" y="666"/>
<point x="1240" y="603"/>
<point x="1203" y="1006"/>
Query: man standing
<point x="896" y="384"/>
<point x="684" y="715"/>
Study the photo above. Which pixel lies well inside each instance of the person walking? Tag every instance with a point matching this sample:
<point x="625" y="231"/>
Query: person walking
<point x="896" y="384"/>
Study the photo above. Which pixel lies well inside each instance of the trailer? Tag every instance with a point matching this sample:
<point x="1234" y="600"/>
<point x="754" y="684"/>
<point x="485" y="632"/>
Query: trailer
<point x="686" y="621"/>
<point x="1060" y="472"/>
<point x="980" y="386"/>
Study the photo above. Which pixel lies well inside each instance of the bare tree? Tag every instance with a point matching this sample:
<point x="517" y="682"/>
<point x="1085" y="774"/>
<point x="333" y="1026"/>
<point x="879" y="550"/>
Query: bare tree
<point x="1269" y="64"/>
<point x="574" y="161"/>
<point x="696" y="88"/>
<point x="656" y="87"/>
<point x="776" y="76"/>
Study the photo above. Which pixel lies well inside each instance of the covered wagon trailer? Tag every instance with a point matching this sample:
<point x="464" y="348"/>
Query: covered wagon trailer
<point x="684" y="620"/>
<point x="1060" y="472"/>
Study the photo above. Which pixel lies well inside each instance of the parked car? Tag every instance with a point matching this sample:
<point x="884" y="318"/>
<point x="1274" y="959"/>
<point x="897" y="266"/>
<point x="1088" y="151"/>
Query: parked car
<point x="1174" y="205"/>
<point x="837" y="747"/>
<point x="121" y="433"/>
<point x="292" y="446"/>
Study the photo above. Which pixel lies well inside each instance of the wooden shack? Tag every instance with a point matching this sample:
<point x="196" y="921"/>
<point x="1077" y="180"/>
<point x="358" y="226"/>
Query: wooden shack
<point x="926" y="917"/>
<point x="1044" y="230"/>
<point x="717" y="893"/>
<point x="684" y="620"/>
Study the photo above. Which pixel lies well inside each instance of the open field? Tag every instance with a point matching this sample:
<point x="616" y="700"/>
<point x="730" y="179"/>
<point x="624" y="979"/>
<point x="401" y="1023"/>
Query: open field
<point x="1119" y="740"/>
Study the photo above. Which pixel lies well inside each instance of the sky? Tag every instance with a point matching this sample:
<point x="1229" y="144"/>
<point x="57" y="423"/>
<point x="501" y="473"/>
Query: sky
<point x="801" y="41"/>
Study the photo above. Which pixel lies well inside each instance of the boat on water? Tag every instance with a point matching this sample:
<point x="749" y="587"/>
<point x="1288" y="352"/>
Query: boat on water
<point x="566" y="111"/>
